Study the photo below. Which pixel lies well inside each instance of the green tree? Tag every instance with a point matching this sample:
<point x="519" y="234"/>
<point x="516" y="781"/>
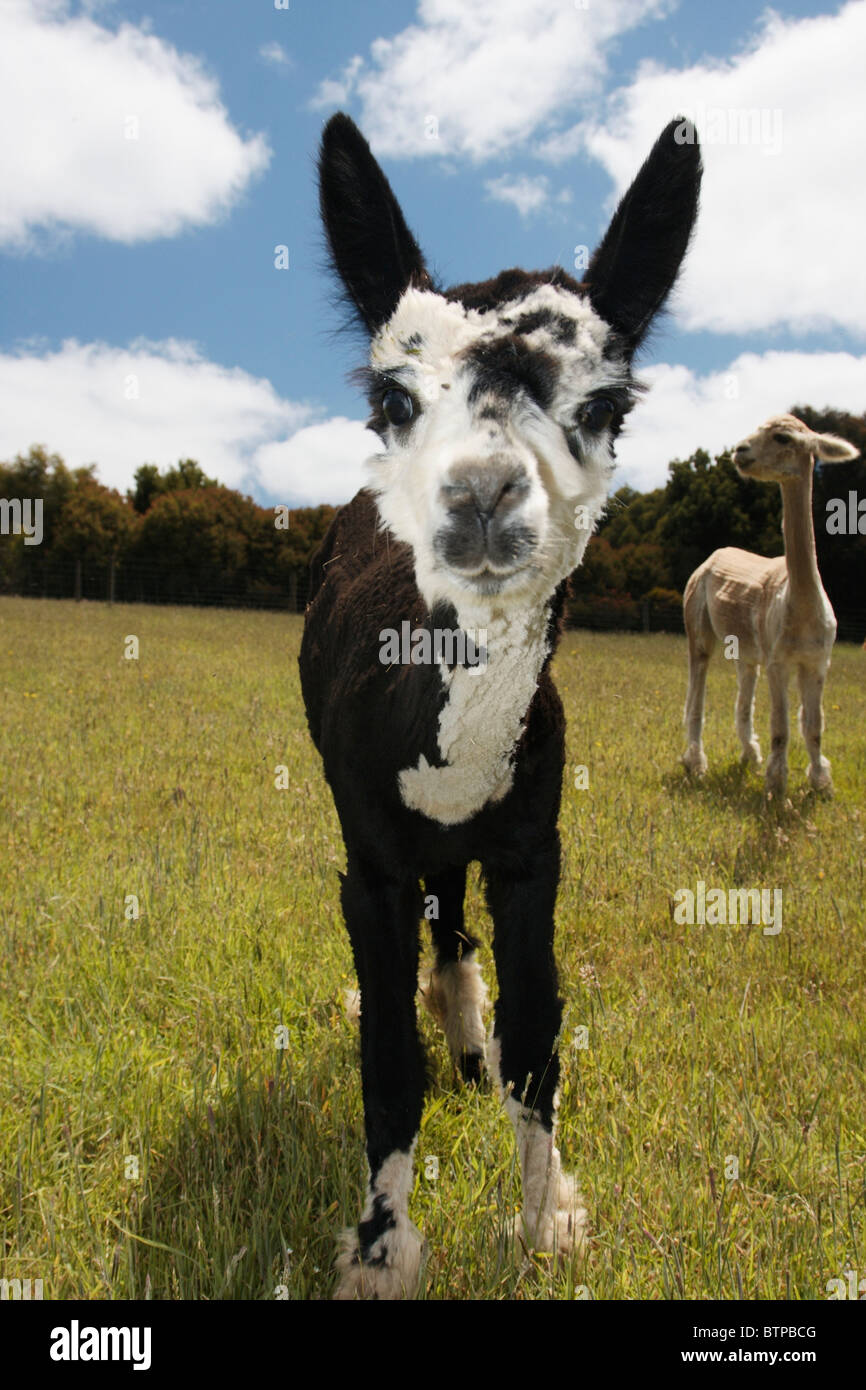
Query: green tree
<point x="36" y="475"/>
<point x="150" y="483"/>
<point x="95" y="528"/>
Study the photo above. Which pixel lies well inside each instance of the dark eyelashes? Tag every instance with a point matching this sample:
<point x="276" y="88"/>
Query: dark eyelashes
<point x="622" y="399"/>
<point x="375" y="383"/>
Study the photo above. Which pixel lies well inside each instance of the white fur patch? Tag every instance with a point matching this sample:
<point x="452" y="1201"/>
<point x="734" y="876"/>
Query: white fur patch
<point x="553" y="1217"/>
<point x="456" y="996"/>
<point x="398" y="1274"/>
<point x="480" y="723"/>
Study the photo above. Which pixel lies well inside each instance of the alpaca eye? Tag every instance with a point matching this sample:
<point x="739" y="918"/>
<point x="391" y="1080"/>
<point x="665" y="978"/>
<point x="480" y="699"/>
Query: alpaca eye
<point x="397" y="406"/>
<point x="781" y="438"/>
<point x="597" y="414"/>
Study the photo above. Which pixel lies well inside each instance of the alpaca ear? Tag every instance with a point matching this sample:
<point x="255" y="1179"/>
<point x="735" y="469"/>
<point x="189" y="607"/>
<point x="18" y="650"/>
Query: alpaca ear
<point x="831" y="449"/>
<point x="633" y="271"/>
<point x="372" y="249"/>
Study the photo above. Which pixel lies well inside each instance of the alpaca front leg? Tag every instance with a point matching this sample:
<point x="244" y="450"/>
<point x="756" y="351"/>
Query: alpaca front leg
<point x="382" y="1257"/>
<point x="523" y="1054"/>
<point x="554" y="1218"/>
<point x="747" y="679"/>
<point x="777" y="763"/>
<point x="812" y="726"/>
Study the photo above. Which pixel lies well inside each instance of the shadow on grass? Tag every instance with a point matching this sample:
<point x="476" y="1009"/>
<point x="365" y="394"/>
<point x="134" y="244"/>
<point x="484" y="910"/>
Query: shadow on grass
<point x="732" y="783"/>
<point x="248" y="1199"/>
<point x="742" y="788"/>
<point x="771" y="824"/>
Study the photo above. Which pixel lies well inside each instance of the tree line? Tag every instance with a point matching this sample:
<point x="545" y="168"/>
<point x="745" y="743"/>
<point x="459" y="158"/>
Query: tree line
<point x="178" y="536"/>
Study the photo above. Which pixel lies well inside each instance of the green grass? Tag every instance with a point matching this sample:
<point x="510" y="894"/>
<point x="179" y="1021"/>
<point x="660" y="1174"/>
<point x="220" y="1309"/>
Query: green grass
<point x="151" y="1040"/>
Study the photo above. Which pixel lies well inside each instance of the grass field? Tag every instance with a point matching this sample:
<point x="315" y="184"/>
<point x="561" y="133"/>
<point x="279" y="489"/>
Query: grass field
<point x="156" y="1142"/>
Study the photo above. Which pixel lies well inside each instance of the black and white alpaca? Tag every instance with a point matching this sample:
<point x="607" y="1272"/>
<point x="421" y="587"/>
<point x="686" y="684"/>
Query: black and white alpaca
<point x="498" y="405"/>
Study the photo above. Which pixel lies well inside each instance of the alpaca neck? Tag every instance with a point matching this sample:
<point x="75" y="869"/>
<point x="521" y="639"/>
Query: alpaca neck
<point x="804" y="581"/>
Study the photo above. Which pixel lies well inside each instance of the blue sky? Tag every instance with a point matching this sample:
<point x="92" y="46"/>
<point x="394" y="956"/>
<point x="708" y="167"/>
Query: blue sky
<point x="154" y="155"/>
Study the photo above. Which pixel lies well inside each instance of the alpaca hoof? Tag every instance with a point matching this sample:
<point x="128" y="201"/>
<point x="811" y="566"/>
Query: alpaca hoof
<point x="695" y="762"/>
<point x="561" y="1230"/>
<point x="819" y="777"/>
<point x="822" y="782"/>
<point x="752" y="756"/>
<point x="394" y="1270"/>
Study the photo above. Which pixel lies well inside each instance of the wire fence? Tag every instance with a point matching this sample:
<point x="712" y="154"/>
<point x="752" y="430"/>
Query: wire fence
<point x="139" y="582"/>
<point x="136" y="582"/>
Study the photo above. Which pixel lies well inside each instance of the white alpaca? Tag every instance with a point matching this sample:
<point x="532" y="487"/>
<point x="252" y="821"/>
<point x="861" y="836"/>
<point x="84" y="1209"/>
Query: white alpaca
<point x="776" y="610"/>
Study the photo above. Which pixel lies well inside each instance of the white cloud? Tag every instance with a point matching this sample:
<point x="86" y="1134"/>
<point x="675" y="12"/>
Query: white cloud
<point x="336" y="91"/>
<point x="158" y="402"/>
<point x="110" y="132"/>
<point x="526" y="194"/>
<point x="320" y="463"/>
<point x="275" y="54"/>
<point x="780" y="233"/>
<point x="479" y="79"/>
<point x="683" y="412"/>
<point x="148" y="403"/>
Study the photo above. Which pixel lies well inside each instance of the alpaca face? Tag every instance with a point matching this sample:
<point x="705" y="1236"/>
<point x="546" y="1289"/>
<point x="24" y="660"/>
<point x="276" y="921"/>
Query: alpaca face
<point x="498" y="428"/>
<point x="784" y="448"/>
<point x="780" y="450"/>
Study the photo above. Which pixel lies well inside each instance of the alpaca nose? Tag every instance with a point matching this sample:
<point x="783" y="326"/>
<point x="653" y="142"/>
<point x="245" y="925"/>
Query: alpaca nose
<point x="489" y="489"/>
<point x="486" y="523"/>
